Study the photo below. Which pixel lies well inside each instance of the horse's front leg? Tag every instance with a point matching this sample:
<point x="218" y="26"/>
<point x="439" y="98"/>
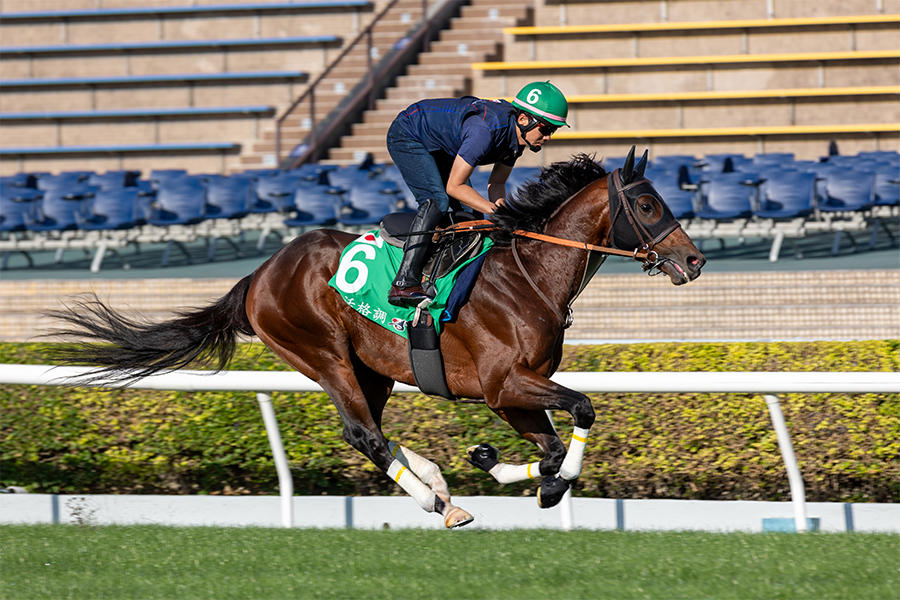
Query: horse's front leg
<point x="527" y="393"/>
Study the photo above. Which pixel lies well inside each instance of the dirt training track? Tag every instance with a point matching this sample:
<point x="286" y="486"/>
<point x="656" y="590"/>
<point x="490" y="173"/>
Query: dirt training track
<point x="777" y="305"/>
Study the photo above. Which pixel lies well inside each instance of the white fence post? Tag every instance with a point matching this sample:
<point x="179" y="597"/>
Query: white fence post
<point x="795" y="479"/>
<point x="285" y="483"/>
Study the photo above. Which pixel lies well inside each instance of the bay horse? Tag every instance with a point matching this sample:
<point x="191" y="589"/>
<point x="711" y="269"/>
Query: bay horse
<point x="505" y="344"/>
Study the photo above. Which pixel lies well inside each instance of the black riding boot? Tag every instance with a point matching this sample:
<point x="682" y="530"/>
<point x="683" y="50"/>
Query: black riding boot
<point x="407" y="289"/>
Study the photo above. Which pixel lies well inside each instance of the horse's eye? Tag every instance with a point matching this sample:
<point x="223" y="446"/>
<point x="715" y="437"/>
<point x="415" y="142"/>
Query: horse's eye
<point x="646" y="207"/>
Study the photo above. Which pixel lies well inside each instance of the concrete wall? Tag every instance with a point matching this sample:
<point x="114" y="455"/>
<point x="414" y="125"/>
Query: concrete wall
<point x="491" y="512"/>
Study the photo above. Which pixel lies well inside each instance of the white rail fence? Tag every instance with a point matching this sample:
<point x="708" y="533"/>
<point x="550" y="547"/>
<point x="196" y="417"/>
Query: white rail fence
<point x="264" y="383"/>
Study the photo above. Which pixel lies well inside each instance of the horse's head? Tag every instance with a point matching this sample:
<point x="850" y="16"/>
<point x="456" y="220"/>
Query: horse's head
<point x="641" y="221"/>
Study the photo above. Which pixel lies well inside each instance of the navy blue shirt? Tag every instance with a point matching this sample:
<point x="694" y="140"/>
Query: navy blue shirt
<point x="482" y="132"/>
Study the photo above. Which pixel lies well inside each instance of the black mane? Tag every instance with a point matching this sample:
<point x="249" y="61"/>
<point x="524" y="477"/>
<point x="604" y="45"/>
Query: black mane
<point x="535" y="202"/>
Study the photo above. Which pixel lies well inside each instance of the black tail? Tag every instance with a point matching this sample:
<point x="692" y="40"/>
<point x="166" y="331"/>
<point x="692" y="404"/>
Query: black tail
<point x="125" y="349"/>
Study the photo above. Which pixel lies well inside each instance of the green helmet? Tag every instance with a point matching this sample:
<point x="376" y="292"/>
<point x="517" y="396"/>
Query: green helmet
<point x="543" y="100"/>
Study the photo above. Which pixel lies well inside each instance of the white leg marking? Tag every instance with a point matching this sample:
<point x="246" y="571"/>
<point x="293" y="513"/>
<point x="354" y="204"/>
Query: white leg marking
<point x="571" y="466"/>
<point x="506" y="473"/>
<point x="427" y="471"/>
<point x="411" y="484"/>
<point x="422" y="469"/>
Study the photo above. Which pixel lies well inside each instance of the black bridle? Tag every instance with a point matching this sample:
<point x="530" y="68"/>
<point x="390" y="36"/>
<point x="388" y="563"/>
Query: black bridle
<point x="637" y="236"/>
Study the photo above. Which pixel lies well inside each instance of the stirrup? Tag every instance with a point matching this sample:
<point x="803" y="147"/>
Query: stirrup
<point x="409" y="297"/>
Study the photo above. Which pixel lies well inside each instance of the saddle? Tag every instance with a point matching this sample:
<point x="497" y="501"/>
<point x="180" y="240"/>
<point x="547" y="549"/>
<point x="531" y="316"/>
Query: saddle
<point x="449" y="250"/>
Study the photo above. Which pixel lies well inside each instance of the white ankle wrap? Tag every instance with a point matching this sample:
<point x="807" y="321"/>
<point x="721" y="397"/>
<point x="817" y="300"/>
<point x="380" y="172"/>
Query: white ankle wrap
<point x="571" y="466"/>
<point x="411" y="484"/>
<point x="505" y="473"/>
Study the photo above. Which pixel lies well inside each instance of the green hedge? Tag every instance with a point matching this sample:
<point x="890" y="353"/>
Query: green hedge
<point x="712" y="446"/>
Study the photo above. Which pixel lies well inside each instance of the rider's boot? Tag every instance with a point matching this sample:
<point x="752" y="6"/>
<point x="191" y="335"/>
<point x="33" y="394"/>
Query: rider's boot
<point x="407" y="288"/>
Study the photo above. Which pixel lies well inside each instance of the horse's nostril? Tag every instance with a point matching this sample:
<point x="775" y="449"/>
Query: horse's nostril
<point x="696" y="261"/>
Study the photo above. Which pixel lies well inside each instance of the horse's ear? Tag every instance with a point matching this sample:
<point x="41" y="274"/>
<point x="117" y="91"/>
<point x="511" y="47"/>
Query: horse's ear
<point x="628" y="167"/>
<point x="641" y="164"/>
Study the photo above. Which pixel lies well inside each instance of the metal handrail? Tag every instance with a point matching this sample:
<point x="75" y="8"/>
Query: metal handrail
<point x="366" y="89"/>
<point x="311" y="89"/>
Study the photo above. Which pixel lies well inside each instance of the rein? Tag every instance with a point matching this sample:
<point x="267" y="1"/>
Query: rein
<point x="484" y="225"/>
<point x="643" y="250"/>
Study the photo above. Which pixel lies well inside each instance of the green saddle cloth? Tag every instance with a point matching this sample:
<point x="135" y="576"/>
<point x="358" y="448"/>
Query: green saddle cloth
<point x="367" y="269"/>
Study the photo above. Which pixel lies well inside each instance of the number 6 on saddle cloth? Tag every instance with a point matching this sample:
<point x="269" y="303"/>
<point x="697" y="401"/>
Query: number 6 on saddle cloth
<point x="369" y="264"/>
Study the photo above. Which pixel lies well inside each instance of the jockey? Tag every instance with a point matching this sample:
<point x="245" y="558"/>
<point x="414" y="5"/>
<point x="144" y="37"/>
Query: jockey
<point x="436" y="144"/>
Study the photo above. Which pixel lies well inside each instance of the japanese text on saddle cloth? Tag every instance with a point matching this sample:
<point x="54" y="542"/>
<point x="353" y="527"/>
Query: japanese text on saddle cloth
<point x="367" y="267"/>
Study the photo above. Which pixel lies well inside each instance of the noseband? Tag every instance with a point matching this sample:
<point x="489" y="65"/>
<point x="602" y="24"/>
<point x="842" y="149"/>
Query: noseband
<point x="640" y="237"/>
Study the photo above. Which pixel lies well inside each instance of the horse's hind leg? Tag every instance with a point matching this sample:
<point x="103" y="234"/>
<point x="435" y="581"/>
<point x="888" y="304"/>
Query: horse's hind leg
<point x="360" y="394"/>
<point x="377" y="389"/>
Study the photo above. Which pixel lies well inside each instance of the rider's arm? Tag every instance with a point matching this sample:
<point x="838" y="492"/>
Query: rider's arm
<point x="497" y="183"/>
<point x="459" y="189"/>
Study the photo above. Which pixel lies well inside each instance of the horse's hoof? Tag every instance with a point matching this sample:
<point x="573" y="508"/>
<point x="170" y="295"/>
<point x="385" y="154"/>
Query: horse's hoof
<point x="457" y="517"/>
<point x="483" y="456"/>
<point x="551" y="491"/>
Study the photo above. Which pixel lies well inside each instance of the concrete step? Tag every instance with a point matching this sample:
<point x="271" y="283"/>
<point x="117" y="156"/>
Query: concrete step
<point x="492" y="12"/>
<point x="463" y="35"/>
<point x="466" y="23"/>
<point x="362" y="141"/>
<point x="349" y="156"/>
<point x="413" y="93"/>
<point x="371" y="129"/>
<point x="450" y="79"/>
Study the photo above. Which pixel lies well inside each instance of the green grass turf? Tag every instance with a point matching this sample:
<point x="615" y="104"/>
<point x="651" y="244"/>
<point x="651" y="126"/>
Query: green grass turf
<point x="165" y="562"/>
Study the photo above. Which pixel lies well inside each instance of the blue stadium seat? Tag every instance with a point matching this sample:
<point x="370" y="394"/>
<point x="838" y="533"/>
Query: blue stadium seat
<point x="276" y="193"/>
<point x="369" y="204"/>
<point x="786" y="194"/>
<point x="111" y="209"/>
<point x="58" y="210"/>
<point x="722" y="163"/>
<point x="392" y="173"/>
<point x="228" y="197"/>
<point x="775" y="159"/>
<point x="887" y="185"/>
<point x="76" y="182"/>
<point x="728" y="196"/>
<point x="179" y="201"/>
<point x="111" y="180"/>
<point x="313" y="206"/>
<point x="669" y="162"/>
<point x="680" y="201"/>
<point x="15" y="202"/>
<point x="847" y="190"/>
<point x="891" y="156"/>
<point x="158" y="176"/>
<point x="350" y="177"/>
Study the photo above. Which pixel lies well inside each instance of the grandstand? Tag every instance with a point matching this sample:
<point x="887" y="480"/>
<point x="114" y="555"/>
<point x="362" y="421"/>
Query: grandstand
<point x="136" y="122"/>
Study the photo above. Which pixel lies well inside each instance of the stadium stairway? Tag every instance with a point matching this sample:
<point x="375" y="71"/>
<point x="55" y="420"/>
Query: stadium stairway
<point x="348" y="72"/>
<point x="443" y="71"/>
<point x="772" y="305"/>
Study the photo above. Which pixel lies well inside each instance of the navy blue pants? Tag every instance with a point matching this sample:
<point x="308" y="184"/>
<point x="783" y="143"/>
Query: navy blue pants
<point x="424" y="172"/>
